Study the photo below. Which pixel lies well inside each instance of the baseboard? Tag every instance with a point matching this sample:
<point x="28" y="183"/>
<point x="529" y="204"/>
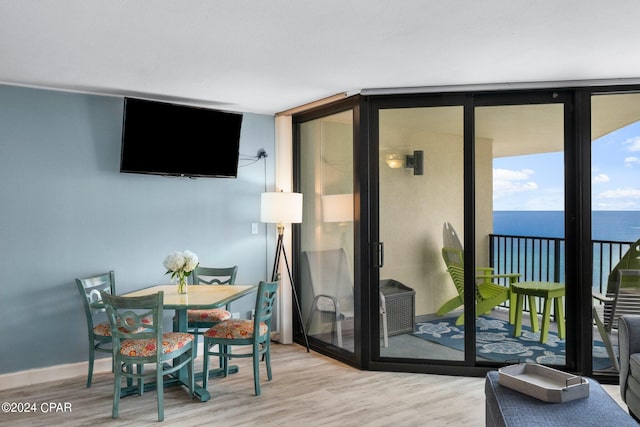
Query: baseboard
<point x="59" y="372"/>
<point x="53" y="373"/>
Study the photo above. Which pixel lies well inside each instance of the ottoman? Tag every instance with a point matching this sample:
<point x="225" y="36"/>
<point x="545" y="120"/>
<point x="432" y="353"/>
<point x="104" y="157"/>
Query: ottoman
<point x="506" y="407"/>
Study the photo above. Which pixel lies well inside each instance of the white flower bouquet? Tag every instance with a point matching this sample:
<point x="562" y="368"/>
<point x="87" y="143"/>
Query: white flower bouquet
<point x="180" y="265"/>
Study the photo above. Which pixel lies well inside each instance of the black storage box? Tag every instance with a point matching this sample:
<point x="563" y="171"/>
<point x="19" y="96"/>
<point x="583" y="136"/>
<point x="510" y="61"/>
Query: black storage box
<point x="400" y="307"/>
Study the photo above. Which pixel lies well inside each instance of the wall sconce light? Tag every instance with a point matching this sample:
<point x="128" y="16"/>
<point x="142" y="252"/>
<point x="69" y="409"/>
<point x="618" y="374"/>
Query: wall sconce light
<point x="415" y="161"/>
<point x="394" y="161"/>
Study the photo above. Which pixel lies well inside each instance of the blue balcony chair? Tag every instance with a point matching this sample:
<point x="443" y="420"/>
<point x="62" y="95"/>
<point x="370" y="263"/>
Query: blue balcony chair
<point x="240" y="332"/>
<point x="99" y="333"/>
<point x="136" y="328"/>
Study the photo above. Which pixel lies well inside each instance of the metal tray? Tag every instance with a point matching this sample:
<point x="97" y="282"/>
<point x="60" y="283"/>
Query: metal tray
<point x="543" y="383"/>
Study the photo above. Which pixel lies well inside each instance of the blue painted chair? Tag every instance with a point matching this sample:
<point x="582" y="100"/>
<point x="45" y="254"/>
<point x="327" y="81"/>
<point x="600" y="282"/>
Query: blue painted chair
<point x="204" y="319"/>
<point x="243" y="332"/>
<point x="99" y="333"/>
<point x="136" y="328"/>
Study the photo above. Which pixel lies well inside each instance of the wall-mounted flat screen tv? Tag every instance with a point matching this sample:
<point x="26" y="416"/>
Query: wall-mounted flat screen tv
<point x="176" y="140"/>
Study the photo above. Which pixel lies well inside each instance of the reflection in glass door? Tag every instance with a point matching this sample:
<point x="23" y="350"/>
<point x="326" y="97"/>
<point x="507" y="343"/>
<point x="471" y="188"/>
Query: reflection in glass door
<point x="421" y="177"/>
<point x="519" y="221"/>
<point x="326" y="236"/>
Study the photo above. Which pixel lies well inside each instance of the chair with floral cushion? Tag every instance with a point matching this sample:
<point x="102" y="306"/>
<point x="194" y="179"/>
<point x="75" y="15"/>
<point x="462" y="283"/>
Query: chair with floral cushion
<point x="242" y="332"/>
<point x="204" y="319"/>
<point x="99" y="333"/>
<point x="136" y="328"/>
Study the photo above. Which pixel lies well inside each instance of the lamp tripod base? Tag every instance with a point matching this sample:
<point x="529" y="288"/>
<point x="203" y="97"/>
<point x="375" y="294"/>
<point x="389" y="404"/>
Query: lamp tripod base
<point x="274" y="276"/>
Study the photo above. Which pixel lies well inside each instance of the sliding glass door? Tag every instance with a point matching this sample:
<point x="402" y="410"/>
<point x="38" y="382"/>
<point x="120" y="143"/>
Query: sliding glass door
<point x="420" y="189"/>
<point x="519" y="233"/>
<point x="471" y="226"/>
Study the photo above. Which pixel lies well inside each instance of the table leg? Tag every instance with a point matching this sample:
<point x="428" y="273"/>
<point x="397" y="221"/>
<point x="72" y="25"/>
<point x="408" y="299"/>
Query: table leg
<point x="560" y="316"/>
<point x="180" y="325"/>
<point x="544" y="333"/>
<point x="519" y="308"/>
<point x="533" y="313"/>
<point x="512" y="306"/>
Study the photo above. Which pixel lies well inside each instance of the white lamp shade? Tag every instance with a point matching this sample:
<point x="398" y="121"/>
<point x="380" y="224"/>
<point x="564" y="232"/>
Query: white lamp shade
<point x="281" y="208"/>
<point x="337" y="208"/>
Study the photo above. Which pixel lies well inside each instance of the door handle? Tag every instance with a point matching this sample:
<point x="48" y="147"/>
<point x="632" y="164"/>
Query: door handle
<point x="378" y="249"/>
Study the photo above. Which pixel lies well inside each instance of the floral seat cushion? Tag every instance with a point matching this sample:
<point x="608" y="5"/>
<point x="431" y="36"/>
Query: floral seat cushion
<point x="213" y="315"/>
<point x="171" y="341"/>
<point x="104" y="329"/>
<point x="235" y="329"/>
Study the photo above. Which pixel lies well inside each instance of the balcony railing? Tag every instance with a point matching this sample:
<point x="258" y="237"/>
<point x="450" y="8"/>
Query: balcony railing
<point x="542" y="258"/>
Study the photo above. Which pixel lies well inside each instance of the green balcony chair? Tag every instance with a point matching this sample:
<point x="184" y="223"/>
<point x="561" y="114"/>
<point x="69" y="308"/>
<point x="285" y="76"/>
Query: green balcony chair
<point x="450" y="239"/>
<point x="136" y="328"/>
<point x="488" y="294"/>
<point x="240" y="332"/>
<point x="99" y="332"/>
<point x="622" y="297"/>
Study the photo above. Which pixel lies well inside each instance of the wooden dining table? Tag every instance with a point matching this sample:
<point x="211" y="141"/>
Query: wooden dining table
<point x="198" y="297"/>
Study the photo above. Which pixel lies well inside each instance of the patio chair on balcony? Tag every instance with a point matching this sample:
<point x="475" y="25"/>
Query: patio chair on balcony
<point x="488" y="294"/>
<point x="622" y="297"/>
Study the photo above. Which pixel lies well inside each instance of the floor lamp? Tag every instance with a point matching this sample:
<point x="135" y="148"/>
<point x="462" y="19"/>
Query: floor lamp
<point x="283" y="208"/>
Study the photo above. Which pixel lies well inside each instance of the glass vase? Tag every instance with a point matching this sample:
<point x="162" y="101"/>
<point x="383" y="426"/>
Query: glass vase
<point x="182" y="284"/>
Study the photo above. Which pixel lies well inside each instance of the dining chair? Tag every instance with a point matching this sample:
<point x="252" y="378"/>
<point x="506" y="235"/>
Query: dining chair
<point x="240" y="332"/>
<point x="99" y="332"/>
<point x="200" y="320"/>
<point x="136" y="328"/>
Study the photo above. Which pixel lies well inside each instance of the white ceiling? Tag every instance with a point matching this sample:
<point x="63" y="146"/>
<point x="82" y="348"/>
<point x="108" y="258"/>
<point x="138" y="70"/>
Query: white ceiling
<point x="266" y="56"/>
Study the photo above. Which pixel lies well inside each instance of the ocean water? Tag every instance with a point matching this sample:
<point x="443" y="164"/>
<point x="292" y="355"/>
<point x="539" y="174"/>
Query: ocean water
<point x="619" y="226"/>
<point x="613" y="226"/>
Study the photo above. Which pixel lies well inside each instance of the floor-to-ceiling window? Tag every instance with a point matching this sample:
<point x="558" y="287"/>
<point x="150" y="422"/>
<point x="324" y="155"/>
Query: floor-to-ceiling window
<point x="491" y="178"/>
<point x="325" y="264"/>
<point x="615" y="216"/>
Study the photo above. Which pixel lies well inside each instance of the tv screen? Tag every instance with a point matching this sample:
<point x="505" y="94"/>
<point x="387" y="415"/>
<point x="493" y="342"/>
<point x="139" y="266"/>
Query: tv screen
<point x="168" y="139"/>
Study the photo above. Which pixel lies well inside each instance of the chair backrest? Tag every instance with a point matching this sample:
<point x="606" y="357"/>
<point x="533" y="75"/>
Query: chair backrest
<point x="626" y="299"/>
<point x="90" y="289"/>
<point x="265" y="301"/>
<point x="135" y="318"/>
<point x="450" y="238"/>
<point x="328" y="273"/>
<point x="624" y="288"/>
<point x="215" y="276"/>
<point x="455" y="266"/>
<point x="629" y="261"/>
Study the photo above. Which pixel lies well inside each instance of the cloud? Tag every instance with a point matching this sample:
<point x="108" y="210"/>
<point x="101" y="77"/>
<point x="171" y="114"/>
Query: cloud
<point x="618" y="193"/>
<point x="634" y="143"/>
<point x="600" y="178"/>
<point x="507" y="181"/>
<point x="630" y="161"/>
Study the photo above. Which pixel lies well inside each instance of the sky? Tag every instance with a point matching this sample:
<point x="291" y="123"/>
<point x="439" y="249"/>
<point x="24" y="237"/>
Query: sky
<point x="536" y="182"/>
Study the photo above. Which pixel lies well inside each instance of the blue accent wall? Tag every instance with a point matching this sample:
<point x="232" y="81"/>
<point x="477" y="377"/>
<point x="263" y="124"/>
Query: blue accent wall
<point x="66" y="211"/>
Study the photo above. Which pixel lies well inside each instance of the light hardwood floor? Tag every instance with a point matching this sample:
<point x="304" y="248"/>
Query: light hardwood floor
<point x="307" y="389"/>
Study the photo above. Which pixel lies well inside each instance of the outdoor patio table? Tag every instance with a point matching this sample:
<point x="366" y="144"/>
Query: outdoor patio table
<point x="547" y="291"/>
